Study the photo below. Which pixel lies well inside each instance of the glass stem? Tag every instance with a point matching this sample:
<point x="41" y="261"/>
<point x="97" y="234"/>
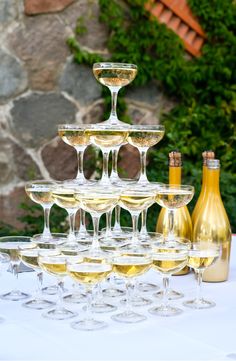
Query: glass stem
<point x="89" y="293"/>
<point x="82" y="226"/>
<point x="135" y="217"/>
<point x="117" y="225"/>
<point x="166" y="282"/>
<point x="105" y="174"/>
<point x="60" y="290"/>
<point x="46" y="229"/>
<point x="114" y="93"/>
<point x="95" y="243"/>
<point x="143" y="161"/>
<point x="71" y="235"/>
<point x="14" y="268"/>
<point x="39" y="284"/>
<point x="108" y="226"/>
<point x="80" y="172"/>
<point x="171" y="217"/>
<point x="199" y="285"/>
<point x="114" y="170"/>
<point x="128" y="297"/>
<point x="143" y="230"/>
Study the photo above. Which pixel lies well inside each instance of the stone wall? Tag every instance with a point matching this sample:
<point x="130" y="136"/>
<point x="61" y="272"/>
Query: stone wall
<point x="41" y="87"/>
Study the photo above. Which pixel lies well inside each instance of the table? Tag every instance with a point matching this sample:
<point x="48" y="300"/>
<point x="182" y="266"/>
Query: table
<point x="194" y="335"/>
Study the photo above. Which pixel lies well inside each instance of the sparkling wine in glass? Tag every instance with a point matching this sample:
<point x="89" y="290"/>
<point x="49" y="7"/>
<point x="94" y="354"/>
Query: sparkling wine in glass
<point x="40" y="192"/>
<point x="202" y="254"/>
<point x="114" y="76"/>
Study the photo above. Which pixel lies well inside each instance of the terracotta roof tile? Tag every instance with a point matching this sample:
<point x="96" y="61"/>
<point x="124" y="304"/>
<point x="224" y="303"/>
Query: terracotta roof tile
<point x="177" y="15"/>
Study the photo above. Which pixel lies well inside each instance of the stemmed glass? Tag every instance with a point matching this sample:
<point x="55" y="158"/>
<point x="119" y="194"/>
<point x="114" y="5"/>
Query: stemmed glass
<point x="143" y="137"/>
<point x="106" y="137"/>
<point x="130" y="263"/>
<point x="4" y="259"/>
<point x="40" y="192"/>
<point x="168" y="258"/>
<point x="202" y="254"/>
<point x="114" y="76"/>
<point x="30" y="258"/>
<point x="97" y="200"/>
<point x="55" y="265"/>
<point x="11" y="245"/>
<point x="75" y="135"/>
<point x="172" y="197"/>
<point x="89" y="274"/>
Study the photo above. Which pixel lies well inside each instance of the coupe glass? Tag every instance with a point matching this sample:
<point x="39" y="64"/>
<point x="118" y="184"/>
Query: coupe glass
<point x="202" y="254"/>
<point x="11" y="245"/>
<point x="30" y="258"/>
<point x="106" y="137"/>
<point x="114" y="76"/>
<point x="130" y="263"/>
<point x="4" y="260"/>
<point x="76" y="136"/>
<point x="97" y="200"/>
<point x="63" y="195"/>
<point x="56" y="266"/>
<point x="89" y="274"/>
<point x="143" y="137"/>
<point x="168" y="258"/>
<point x="40" y="192"/>
<point x="172" y="197"/>
<point x="135" y="199"/>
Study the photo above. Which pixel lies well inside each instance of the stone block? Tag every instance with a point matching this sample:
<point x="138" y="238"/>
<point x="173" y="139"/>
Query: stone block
<point x="13" y="77"/>
<point x="41" y="45"/>
<point x="149" y="94"/>
<point x="34" y="7"/>
<point x="78" y="81"/>
<point x="129" y="161"/>
<point x="8" y="11"/>
<point x="25" y="168"/>
<point x="35" y="118"/>
<point x="94" y="114"/>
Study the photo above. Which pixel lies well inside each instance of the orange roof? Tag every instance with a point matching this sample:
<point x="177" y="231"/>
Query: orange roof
<point x="177" y="16"/>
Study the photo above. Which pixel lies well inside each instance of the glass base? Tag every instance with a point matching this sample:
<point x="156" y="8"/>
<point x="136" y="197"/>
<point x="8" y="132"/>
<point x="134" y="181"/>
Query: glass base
<point x="59" y="314"/>
<point x="101" y="307"/>
<point x="38" y="304"/>
<point x="147" y="287"/>
<point x="88" y="325"/>
<point x="14" y="296"/>
<point x="75" y="298"/>
<point x="128" y="317"/>
<point x="50" y="290"/>
<point x="113" y="292"/>
<point x="138" y="301"/>
<point x="2" y="319"/>
<point x="199" y="304"/>
<point x="165" y="311"/>
<point x="172" y="294"/>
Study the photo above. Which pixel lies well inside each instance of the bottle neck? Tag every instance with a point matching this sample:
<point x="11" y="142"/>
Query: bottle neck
<point x="175" y="175"/>
<point x="212" y="178"/>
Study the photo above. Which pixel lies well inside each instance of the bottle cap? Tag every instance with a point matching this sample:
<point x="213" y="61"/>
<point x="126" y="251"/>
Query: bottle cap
<point x="213" y="163"/>
<point x="175" y="159"/>
<point x="207" y="154"/>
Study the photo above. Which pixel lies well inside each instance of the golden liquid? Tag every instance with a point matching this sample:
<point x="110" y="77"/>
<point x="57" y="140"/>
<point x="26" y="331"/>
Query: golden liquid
<point x="13" y="249"/>
<point x="43" y="197"/>
<point x="107" y="138"/>
<point x="201" y="196"/>
<point x="182" y="220"/>
<point x="54" y="268"/>
<point x="94" y="203"/>
<point x="74" y="137"/>
<point x="212" y="225"/>
<point x="201" y="259"/>
<point x="114" y="77"/>
<point x="145" y="138"/>
<point x="169" y="263"/>
<point x="131" y="265"/>
<point x="89" y="273"/>
<point x="30" y="259"/>
<point x="65" y="198"/>
<point x="173" y="199"/>
<point x="136" y="202"/>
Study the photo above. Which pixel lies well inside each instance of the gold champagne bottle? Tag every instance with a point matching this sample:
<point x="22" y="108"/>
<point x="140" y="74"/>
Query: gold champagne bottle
<point x="212" y="224"/>
<point x="207" y="154"/>
<point x="182" y="219"/>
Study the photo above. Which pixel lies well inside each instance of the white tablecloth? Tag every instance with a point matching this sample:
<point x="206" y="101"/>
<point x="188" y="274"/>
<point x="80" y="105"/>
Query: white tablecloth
<point x="193" y="335"/>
